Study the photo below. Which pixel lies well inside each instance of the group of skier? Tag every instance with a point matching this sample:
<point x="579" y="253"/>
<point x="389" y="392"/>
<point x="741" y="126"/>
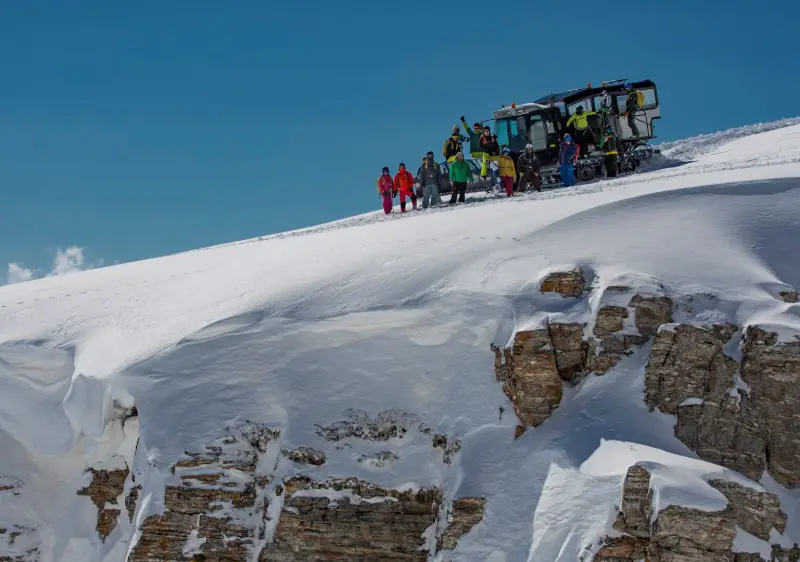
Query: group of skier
<point x="499" y="165"/>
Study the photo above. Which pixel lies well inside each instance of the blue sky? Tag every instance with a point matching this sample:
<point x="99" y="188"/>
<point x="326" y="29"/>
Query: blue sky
<point x="134" y="130"/>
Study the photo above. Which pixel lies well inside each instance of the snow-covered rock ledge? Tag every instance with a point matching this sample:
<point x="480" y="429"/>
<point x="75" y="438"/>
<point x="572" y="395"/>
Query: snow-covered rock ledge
<point x="325" y="394"/>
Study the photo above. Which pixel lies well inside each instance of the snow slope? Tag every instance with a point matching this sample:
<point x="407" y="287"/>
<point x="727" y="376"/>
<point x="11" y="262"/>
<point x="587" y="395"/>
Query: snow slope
<point x="376" y="314"/>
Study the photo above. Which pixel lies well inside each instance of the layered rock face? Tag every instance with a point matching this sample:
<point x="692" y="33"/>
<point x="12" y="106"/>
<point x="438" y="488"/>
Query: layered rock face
<point x="689" y="375"/>
<point x="351" y="520"/>
<point x="227" y="504"/>
<point x="466" y="513"/>
<point x="217" y="512"/>
<point x="681" y="534"/>
<point x="532" y="371"/>
<point x="104" y="490"/>
<point x="567" y="284"/>
<point x="530" y="377"/>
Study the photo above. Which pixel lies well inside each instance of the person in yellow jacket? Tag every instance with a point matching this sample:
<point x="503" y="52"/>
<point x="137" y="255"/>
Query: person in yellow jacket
<point x="580" y="122"/>
<point x="507" y="171"/>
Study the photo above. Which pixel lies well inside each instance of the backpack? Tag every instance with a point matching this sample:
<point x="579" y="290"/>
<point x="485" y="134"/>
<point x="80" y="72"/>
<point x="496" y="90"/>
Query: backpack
<point x="452" y="147"/>
<point x="639" y="99"/>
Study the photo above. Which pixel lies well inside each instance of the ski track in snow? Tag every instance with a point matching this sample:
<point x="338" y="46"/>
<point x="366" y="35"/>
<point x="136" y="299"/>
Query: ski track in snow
<point x="299" y="328"/>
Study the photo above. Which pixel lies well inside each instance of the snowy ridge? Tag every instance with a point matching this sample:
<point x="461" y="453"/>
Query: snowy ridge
<point x="333" y="336"/>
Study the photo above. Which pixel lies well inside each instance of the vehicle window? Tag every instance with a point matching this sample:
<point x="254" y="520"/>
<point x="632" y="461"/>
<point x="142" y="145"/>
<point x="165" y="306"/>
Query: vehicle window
<point x="598" y="100"/>
<point x="587" y="106"/>
<point x="537" y="133"/>
<point x="650" y="100"/>
<point x="501" y="130"/>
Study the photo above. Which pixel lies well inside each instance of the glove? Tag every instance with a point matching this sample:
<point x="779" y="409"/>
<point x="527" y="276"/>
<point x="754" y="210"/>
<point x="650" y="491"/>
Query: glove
<point x="462" y="118"/>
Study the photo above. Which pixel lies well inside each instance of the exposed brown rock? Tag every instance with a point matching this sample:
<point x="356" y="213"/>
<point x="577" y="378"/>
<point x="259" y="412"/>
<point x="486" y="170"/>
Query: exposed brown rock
<point x="651" y="312"/>
<point x="305" y="455"/>
<point x="687" y="363"/>
<point x="569" y="349"/>
<point x="220" y="488"/>
<point x="105" y="488"/>
<point x="753" y="431"/>
<point x="790" y="296"/>
<point x="681" y="533"/>
<point x="772" y="371"/>
<point x="725" y="434"/>
<point x="622" y="549"/>
<point x="738" y="432"/>
<point x="786" y="554"/>
<point x="610" y="319"/>
<point x="567" y="284"/>
<point x="755" y="512"/>
<point x="636" y="507"/>
<point x="107" y="521"/>
<point x="609" y="344"/>
<point x="530" y="377"/>
<point x="388" y="527"/>
<point x="606" y="353"/>
<point x="467" y="512"/>
<point x="130" y="501"/>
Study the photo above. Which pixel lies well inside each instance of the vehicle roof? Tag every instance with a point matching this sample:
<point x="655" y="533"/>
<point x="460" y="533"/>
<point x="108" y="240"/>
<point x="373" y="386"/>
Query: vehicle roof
<point x="580" y="93"/>
<point x="570" y="96"/>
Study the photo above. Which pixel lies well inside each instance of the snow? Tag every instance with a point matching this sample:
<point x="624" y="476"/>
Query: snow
<point x="299" y="330"/>
<point x="745" y="542"/>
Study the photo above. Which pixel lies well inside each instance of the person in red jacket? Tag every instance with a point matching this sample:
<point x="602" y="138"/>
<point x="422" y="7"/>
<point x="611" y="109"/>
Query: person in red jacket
<point x="386" y="190"/>
<point x="404" y="184"/>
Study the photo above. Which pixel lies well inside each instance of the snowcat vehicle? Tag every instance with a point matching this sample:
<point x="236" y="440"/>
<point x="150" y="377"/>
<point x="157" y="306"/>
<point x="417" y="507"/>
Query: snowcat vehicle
<point x="543" y="124"/>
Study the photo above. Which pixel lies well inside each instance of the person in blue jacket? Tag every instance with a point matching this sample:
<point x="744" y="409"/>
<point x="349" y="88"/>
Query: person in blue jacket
<point x="567" y="156"/>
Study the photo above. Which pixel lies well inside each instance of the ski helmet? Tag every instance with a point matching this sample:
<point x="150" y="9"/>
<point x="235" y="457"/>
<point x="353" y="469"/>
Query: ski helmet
<point x="579" y="109"/>
<point x="385" y="170"/>
<point x="459" y="153"/>
<point x="506" y="151"/>
<point x="528" y="146"/>
<point x="567" y="137"/>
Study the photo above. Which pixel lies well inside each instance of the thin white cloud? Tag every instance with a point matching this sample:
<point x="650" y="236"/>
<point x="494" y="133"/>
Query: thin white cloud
<point x="71" y="260"/>
<point x="68" y="261"/>
<point x="18" y="274"/>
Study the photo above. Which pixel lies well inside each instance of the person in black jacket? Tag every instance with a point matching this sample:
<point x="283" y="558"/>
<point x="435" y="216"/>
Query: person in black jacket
<point x="529" y="169"/>
<point x="611" y="152"/>
<point x="452" y="145"/>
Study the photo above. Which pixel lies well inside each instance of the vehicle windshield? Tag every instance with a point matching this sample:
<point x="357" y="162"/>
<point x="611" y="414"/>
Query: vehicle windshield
<point x="508" y="133"/>
<point x="501" y="127"/>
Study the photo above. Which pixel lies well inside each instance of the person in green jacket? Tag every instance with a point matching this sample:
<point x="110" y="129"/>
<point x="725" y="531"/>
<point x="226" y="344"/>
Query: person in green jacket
<point x="475" y="149"/>
<point x="460" y="174"/>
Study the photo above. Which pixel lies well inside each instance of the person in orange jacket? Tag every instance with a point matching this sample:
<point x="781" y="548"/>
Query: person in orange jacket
<point x="386" y="190"/>
<point x="404" y="184"/>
